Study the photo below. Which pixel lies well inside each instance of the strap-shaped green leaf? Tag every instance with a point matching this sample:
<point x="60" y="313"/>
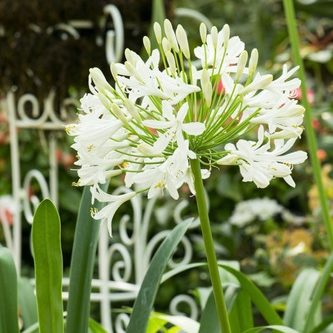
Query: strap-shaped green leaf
<point x="318" y="293"/>
<point x="147" y="293"/>
<point x="241" y="313"/>
<point x="299" y="300"/>
<point x="276" y="328"/>
<point x="82" y="265"/>
<point x="209" y="321"/>
<point x="32" y="329"/>
<point x="27" y="302"/>
<point x="327" y="321"/>
<point x="46" y="243"/>
<point x="95" y="327"/>
<point x="257" y="297"/>
<point x="8" y="288"/>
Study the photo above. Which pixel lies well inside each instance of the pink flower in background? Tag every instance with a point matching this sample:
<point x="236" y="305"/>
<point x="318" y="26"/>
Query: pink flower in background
<point x="310" y="95"/>
<point x="65" y="159"/>
<point x="220" y="88"/>
<point x="7" y="209"/>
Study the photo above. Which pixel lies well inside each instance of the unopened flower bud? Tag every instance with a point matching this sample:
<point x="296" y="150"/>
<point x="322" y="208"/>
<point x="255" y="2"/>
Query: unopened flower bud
<point x="133" y="71"/>
<point x="105" y="101"/>
<point x="225" y="34"/>
<point x="262" y="83"/>
<point x="147" y="44"/>
<point x="158" y="32"/>
<point x="214" y="34"/>
<point x="128" y="56"/>
<point x="206" y="87"/>
<point x="146" y="149"/>
<point x="114" y="70"/>
<point x="203" y="32"/>
<point x="166" y="45"/>
<point x="132" y="110"/>
<point x="99" y="79"/>
<point x="171" y="62"/>
<point x="118" y="113"/>
<point x="182" y="41"/>
<point x="170" y="34"/>
<point x="241" y="65"/>
<point x="113" y="173"/>
<point x="253" y="62"/>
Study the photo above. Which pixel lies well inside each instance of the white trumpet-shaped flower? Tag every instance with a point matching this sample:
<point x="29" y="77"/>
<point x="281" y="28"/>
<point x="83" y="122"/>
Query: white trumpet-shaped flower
<point x="174" y="126"/>
<point x="112" y="203"/>
<point x="163" y="112"/>
<point x="259" y="163"/>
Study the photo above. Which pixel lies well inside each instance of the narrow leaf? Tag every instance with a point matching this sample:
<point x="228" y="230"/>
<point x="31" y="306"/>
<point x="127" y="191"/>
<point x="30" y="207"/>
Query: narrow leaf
<point x="318" y="292"/>
<point x="48" y="267"/>
<point x="299" y="299"/>
<point x="32" y="329"/>
<point x="155" y="324"/>
<point x="187" y="325"/>
<point x="323" y="325"/>
<point x="27" y="302"/>
<point x="257" y="297"/>
<point x="82" y="265"/>
<point x="147" y="293"/>
<point x="209" y="321"/>
<point x="95" y="327"/>
<point x="8" y="288"/>
<point x="276" y="328"/>
<point x="241" y="314"/>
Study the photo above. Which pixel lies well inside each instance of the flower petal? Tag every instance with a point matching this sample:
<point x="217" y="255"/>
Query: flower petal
<point x="194" y="128"/>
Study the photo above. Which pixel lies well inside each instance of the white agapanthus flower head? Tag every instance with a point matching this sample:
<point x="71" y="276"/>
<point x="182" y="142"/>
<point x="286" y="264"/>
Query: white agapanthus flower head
<point x="162" y="112"/>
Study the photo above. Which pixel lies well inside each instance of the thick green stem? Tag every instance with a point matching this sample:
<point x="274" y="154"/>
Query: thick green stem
<point x="221" y="308"/>
<point x="310" y="134"/>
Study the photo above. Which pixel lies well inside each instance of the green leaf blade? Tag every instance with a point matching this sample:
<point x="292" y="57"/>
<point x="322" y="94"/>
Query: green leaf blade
<point x="46" y="242"/>
<point x="82" y="265"/>
<point x="95" y="327"/>
<point x="209" y="321"/>
<point x="8" y="287"/>
<point x="144" y="303"/>
<point x="318" y="293"/>
<point x="299" y="299"/>
<point x="276" y="328"/>
<point x="257" y="297"/>
<point x="27" y="302"/>
<point x="241" y="313"/>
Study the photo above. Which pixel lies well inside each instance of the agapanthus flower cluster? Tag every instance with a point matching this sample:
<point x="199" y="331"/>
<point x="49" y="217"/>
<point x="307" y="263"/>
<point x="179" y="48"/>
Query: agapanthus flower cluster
<point x="164" y="111"/>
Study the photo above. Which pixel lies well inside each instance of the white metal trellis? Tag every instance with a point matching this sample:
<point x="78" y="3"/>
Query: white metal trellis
<point x="37" y="118"/>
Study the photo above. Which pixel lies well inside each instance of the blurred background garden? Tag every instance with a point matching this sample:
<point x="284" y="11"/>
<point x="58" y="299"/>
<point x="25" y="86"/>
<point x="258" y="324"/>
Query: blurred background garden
<point x="47" y="48"/>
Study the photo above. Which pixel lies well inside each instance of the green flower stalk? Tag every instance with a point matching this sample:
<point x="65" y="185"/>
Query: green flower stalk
<point x="310" y="134"/>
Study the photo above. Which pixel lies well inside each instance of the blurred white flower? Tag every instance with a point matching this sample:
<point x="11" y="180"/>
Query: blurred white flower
<point x="248" y="211"/>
